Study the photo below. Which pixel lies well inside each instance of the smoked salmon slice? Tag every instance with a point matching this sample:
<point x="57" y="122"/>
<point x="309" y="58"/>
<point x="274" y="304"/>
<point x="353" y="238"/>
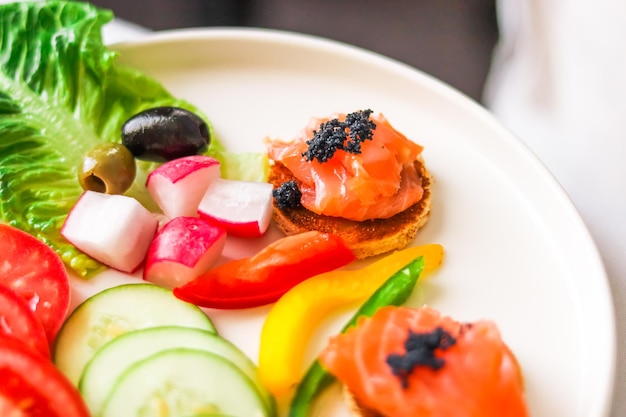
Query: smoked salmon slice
<point x="377" y="182"/>
<point x="414" y="362"/>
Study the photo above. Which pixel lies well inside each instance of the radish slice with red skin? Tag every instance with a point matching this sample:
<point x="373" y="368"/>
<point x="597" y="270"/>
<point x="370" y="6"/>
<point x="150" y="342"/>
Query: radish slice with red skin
<point x="111" y="228"/>
<point x="177" y="186"/>
<point x="243" y="208"/>
<point x="183" y="249"/>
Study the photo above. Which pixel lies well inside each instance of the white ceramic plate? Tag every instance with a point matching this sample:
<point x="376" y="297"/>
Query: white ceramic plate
<point x="516" y="250"/>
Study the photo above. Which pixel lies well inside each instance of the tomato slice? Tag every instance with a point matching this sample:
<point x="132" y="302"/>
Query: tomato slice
<point x="34" y="271"/>
<point x="17" y="320"/>
<point x="33" y="386"/>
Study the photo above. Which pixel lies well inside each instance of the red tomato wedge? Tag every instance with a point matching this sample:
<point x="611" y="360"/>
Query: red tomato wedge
<point x="32" y="386"/>
<point x="265" y="277"/>
<point x="18" y="321"/>
<point x="35" y="272"/>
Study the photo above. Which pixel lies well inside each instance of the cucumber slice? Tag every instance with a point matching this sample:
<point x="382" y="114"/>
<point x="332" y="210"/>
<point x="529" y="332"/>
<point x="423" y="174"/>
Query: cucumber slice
<point x="116" y="311"/>
<point x="104" y="369"/>
<point x="181" y="382"/>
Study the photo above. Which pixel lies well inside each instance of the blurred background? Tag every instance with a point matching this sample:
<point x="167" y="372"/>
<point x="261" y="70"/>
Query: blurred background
<point x="450" y="39"/>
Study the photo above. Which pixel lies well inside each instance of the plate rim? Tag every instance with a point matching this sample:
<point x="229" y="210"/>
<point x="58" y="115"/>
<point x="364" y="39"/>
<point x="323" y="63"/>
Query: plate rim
<point x="268" y="35"/>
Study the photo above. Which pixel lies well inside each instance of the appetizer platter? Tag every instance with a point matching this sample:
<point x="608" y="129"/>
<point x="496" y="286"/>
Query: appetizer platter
<point x="322" y="200"/>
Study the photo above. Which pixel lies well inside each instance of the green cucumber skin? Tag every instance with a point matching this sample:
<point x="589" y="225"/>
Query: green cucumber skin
<point x="116" y="311"/>
<point x="182" y="381"/>
<point x="105" y="368"/>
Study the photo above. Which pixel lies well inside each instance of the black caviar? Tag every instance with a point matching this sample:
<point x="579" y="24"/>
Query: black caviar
<point x="420" y="351"/>
<point x="334" y="135"/>
<point x="288" y="195"/>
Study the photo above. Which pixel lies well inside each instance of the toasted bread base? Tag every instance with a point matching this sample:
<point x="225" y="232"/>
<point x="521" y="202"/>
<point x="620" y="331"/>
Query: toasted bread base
<point x="355" y="407"/>
<point x="366" y="238"/>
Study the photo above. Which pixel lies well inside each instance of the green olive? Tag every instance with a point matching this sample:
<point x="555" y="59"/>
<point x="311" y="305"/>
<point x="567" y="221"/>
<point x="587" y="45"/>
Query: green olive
<point x="108" y="168"/>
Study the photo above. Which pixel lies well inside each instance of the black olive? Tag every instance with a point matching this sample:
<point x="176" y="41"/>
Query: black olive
<point x="108" y="168"/>
<point x="165" y="133"/>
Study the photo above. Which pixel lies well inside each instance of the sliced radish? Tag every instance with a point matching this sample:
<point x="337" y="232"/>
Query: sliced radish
<point x="178" y="185"/>
<point x="184" y="248"/>
<point x="244" y="208"/>
<point x="113" y="229"/>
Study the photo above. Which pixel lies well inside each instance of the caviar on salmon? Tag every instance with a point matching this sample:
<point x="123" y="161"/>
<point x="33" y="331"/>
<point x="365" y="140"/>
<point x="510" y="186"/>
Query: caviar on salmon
<point x="354" y="166"/>
<point x="416" y="362"/>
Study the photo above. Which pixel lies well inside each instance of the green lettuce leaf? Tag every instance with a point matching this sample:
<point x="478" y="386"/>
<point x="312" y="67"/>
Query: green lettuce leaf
<point x="61" y="93"/>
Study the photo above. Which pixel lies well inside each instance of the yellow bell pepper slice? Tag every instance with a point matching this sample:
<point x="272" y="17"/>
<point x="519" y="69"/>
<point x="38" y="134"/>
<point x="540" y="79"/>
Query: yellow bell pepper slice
<point x="293" y="318"/>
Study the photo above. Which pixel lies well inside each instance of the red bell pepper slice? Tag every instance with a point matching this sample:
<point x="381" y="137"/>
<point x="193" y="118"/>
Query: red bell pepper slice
<point x="263" y="278"/>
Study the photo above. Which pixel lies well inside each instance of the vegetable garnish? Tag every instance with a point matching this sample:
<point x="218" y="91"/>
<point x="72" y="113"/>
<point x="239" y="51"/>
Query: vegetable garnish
<point x="110" y="363"/>
<point x="184" y="382"/>
<point x="121" y="233"/>
<point x="177" y="186"/>
<point x="19" y="322"/>
<point x="292" y="320"/>
<point x="243" y="208"/>
<point x="33" y="386"/>
<point x="61" y="93"/>
<point x="393" y="292"/>
<point x="165" y="133"/>
<point x="34" y="272"/>
<point x="113" y="312"/>
<point x="265" y="277"/>
<point x="182" y="249"/>
<point x="107" y="168"/>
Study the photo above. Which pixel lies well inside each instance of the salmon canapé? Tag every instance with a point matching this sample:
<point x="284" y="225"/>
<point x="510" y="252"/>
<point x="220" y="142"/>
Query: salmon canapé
<point x="355" y="166"/>
<point x="416" y="362"/>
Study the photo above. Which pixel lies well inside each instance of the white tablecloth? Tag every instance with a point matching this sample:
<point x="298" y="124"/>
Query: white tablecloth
<point x="559" y="82"/>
